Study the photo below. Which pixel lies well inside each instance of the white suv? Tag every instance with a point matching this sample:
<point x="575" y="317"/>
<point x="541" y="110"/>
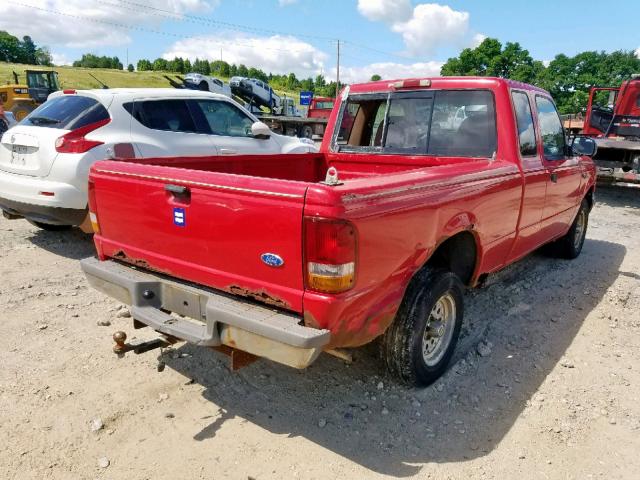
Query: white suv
<point x="45" y="160"/>
<point x="256" y="91"/>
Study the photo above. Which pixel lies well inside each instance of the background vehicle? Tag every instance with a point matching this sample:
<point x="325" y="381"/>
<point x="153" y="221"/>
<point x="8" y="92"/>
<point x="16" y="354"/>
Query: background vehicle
<point x="7" y="120"/>
<point x="613" y="119"/>
<point x="256" y="92"/>
<point x="22" y="99"/>
<point x="197" y="81"/>
<point x="44" y="161"/>
<point x="376" y="235"/>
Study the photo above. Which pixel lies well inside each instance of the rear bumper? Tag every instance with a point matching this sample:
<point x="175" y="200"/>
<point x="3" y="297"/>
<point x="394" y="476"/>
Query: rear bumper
<point x="27" y="190"/>
<point x="44" y="214"/>
<point x="207" y="318"/>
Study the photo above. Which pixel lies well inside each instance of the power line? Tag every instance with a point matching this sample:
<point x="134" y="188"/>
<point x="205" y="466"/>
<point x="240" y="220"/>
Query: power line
<point x="146" y="30"/>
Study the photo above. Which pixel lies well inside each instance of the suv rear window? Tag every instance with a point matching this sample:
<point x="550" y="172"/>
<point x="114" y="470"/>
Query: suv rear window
<point x="453" y="123"/>
<point x="67" y="112"/>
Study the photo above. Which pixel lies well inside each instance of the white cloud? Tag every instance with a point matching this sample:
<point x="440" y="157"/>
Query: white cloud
<point x="424" y="27"/>
<point x="388" y="11"/>
<point x="286" y="3"/>
<point x="72" y="23"/>
<point x="388" y="70"/>
<point x="275" y="54"/>
<point x="60" y="59"/>
<point x="477" y="39"/>
<point x="638" y="52"/>
<point x="431" y="26"/>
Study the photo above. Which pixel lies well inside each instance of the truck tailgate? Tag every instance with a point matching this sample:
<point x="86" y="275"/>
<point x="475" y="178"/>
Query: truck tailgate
<point x="234" y="233"/>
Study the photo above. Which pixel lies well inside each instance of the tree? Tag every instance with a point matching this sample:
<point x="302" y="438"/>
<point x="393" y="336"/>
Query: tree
<point x="130" y="67"/>
<point x="243" y="71"/>
<point x="43" y="57"/>
<point x="28" y="51"/>
<point x="144" y="65"/>
<point x="9" y="48"/>
<point x="159" y="65"/>
<point x="375" y="77"/>
<point x="220" y="67"/>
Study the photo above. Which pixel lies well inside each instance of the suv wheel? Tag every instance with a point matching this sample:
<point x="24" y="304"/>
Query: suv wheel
<point x="419" y="344"/>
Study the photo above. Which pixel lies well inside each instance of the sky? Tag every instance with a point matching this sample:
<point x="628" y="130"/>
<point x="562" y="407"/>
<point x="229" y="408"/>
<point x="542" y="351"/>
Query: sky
<point x="391" y="38"/>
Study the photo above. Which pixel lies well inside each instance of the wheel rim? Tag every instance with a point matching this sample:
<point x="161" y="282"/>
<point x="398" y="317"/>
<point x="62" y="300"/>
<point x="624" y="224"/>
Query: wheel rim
<point x="581" y="226"/>
<point x="439" y="329"/>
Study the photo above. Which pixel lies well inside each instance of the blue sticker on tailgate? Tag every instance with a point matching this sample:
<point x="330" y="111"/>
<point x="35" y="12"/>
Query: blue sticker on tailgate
<point x="179" y="217"/>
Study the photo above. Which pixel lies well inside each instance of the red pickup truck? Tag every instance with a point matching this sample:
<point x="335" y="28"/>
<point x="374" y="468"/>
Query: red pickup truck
<point x="421" y="187"/>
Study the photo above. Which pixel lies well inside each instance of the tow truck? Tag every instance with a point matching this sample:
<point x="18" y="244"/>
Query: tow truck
<point x="612" y="119"/>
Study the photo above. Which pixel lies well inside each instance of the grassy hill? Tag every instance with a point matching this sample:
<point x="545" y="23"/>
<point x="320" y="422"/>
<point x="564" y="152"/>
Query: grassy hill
<point x="79" y="78"/>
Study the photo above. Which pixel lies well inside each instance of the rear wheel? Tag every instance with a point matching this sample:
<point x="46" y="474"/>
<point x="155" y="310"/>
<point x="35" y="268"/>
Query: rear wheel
<point x="307" y="132"/>
<point x="418" y="345"/>
<point x="571" y="244"/>
<point x="49" y="227"/>
<point x="21" y="110"/>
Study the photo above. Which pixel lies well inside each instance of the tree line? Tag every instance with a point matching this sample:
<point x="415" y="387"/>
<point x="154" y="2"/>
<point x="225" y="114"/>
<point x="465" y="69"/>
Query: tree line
<point x="568" y="79"/>
<point x="14" y="50"/>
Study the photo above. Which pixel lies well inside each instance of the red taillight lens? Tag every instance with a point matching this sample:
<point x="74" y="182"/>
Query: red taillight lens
<point x="330" y="254"/>
<point x="93" y="215"/>
<point x="74" y="141"/>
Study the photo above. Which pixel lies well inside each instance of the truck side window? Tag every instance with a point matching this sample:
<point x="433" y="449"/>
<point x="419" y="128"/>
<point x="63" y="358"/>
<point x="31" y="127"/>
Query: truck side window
<point x="524" y="121"/>
<point x="551" y="130"/>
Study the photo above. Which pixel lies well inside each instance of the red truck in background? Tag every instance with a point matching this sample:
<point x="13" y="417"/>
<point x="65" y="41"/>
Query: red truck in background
<point x="612" y="118"/>
<point x="421" y="187"/>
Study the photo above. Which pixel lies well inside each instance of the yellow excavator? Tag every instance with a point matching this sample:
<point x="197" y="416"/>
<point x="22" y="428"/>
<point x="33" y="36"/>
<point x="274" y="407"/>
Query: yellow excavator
<point x="22" y="99"/>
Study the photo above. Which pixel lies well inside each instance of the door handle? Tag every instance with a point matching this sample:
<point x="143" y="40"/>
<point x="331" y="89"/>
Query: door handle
<point x="177" y="189"/>
<point x="228" y="151"/>
<point x="554" y="177"/>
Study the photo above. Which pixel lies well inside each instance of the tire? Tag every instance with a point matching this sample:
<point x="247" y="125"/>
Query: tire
<point x="307" y="132"/>
<point x="49" y="227"/>
<point x="21" y="110"/>
<point x="570" y="245"/>
<point x="412" y="349"/>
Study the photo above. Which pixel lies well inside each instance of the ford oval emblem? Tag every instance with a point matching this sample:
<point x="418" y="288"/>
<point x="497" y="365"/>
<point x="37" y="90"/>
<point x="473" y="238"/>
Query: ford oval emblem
<point x="272" y="259"/>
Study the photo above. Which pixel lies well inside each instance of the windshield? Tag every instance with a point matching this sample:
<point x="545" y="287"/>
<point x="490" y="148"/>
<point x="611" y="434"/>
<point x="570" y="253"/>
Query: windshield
<point x="454" y="123"/>
<point x="67" y="112"/>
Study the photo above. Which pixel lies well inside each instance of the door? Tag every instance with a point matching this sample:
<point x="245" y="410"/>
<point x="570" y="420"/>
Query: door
<point x="535" y="178"/>
<point x="564" y="172"/>
<point x="166" y="128"/>
<point x="229" y="128"/>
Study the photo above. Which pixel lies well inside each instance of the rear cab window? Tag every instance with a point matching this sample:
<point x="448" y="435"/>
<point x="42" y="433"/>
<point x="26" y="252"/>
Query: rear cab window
<point x="67" y="112"/>
<point x="453" y="123"/>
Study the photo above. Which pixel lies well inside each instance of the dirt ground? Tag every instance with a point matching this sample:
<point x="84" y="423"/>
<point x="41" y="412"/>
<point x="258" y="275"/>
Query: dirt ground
<point x="545" y="384"/>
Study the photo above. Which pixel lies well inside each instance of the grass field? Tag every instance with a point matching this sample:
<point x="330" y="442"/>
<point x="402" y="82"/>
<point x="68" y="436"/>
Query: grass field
<point x="79" y="78"/>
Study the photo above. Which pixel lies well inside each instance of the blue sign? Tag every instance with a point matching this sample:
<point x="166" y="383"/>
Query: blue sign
<point x="305" y="98"/>
<point x="179" y="217"/>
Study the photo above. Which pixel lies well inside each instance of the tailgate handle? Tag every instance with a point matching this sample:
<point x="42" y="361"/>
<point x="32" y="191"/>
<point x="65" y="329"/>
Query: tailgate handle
<point x="177" y="189"/>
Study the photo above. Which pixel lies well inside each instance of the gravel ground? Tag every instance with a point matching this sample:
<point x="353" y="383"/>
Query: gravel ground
<point x="545" y="383"/>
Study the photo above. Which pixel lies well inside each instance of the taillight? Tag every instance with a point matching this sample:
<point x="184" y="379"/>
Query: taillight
<point x="93" y="212"/>
<point x="330" y="254"/>
<point x="74" y="141"/>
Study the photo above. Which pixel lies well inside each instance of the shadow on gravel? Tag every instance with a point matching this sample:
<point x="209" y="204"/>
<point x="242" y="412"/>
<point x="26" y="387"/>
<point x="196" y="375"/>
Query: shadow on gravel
<point x="530" y="312"/>
<point x="72" y="243"/>
<point x="619" y="196"/>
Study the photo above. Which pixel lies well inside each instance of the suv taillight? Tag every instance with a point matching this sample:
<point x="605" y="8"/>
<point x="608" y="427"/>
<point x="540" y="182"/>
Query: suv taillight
<point x="330" y="254"/>
<point x="93" y="212"/>
<point x="74" y="141"/>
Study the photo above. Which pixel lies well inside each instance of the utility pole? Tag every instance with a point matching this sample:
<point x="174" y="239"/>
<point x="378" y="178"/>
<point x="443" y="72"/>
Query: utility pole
<point x="338" y="70"/>
<point x="127" y="66"/>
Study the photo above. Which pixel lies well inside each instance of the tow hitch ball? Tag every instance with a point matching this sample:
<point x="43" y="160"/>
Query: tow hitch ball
<point x="120" y="348"/>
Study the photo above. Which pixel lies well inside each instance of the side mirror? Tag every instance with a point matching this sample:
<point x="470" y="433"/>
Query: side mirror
<point x="584" y="146"/>
<point x="260" y="130"/>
